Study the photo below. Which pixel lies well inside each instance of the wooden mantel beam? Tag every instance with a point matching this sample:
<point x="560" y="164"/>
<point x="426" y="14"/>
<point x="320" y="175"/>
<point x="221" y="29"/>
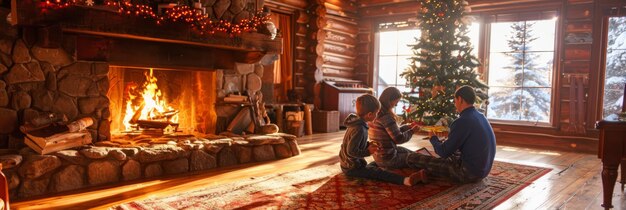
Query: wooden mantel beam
<point x="159" y="55"/>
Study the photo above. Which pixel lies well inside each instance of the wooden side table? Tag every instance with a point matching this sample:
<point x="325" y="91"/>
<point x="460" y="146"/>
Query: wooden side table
<point x="612" y="151"/>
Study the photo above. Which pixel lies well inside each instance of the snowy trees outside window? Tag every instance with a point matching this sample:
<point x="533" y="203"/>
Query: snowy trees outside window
<point x="615" y="76"/>
<point x="521" y="65"/>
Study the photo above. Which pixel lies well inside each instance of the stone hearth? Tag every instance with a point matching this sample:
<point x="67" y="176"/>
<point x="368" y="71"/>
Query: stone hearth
<point x="31" y="174"/>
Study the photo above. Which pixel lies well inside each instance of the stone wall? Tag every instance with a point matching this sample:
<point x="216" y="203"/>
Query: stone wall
<point x="36" y="80"/>
<point x="230" y="10"/>
<point x="245" y="79"/>
<point x="31" y="174"/>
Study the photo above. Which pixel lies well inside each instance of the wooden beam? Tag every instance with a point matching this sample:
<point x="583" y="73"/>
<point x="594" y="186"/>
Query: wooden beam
<point x="330" y="60"/>
<point x="403" y="8"/>
<point x="376" y="3"/>
<point x="492" y="3"/>
<point x="342" y="26"/>
<point x="479" y="6"/>
<point x="146" y="54"/>
<point x="335" y="50"/>
<point x="292" y="4"/>
<point x="341" y="5"/>
<point x="341" y="9"/>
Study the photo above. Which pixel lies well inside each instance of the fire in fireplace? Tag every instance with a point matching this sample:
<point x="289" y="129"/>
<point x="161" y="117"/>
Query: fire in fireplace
<point x="157" y="102"/>
<point x="147" y="107"/>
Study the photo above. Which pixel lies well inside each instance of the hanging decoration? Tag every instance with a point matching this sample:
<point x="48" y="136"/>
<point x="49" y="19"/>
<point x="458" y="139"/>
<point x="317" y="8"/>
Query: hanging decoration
<point x="197" y="21"/>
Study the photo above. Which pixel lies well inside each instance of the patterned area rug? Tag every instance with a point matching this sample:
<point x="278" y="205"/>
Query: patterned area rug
<point x="325" y="187"/>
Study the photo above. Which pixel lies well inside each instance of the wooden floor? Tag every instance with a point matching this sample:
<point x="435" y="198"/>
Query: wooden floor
<point x="574" y="183"/>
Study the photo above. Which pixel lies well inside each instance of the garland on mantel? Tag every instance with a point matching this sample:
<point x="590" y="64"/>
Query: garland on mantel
<point x="197" y="21"/>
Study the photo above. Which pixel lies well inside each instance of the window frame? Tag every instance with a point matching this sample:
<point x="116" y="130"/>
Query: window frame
<point x="602" y="61"/>
<point x="484" y="51"/>
<point x="376" y="55"/>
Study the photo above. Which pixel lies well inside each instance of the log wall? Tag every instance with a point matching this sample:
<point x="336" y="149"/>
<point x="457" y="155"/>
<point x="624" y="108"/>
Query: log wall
<point x="335" y="39"/>
<point x="325" y="39"/>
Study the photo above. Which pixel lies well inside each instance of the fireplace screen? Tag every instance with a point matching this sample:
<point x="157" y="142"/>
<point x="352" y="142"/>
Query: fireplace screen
<point x="158" y="102"/>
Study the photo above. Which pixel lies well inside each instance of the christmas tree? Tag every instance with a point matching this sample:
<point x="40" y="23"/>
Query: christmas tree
<point x="527" y="103"/>
<point x="442" y="62"/>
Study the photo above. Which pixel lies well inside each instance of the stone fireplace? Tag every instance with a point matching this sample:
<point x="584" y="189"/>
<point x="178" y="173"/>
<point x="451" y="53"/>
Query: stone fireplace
<point x="101" y="74"/>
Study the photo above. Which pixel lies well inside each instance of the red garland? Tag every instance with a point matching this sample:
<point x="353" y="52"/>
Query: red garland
<point x="198" y="22"/>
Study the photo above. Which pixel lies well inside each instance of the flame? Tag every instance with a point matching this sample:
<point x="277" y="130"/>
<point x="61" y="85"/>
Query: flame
<point x="147" y="103"/>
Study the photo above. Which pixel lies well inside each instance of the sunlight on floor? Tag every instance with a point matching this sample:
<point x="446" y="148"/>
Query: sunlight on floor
<point x="516" y="149"/>
<point x="530" y="197"/>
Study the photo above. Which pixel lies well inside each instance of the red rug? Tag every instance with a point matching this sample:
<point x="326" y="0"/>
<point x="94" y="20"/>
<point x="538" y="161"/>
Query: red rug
<point x="325" y="187"/>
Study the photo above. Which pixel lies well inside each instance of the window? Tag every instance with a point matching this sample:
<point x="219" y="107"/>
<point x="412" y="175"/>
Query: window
<point x="474" y="36"/>
<point x="393" y="56"/>
<point x="392" y="46"/>
<point x="615" y="69"/>
<point x="520" y="69"/>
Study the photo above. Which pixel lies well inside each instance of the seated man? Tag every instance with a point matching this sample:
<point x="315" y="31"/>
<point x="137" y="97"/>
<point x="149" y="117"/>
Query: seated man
<point x="471" y="135"/>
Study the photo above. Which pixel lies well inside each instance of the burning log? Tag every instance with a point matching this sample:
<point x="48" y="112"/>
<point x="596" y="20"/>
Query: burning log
<point x="154" y="124"/>
<point x="165" y="115"/>
<point x="137" y="114"/>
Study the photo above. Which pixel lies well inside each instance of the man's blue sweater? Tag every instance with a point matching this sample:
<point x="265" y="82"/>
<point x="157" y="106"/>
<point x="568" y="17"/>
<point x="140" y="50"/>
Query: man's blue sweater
<point x="473" y="136"/>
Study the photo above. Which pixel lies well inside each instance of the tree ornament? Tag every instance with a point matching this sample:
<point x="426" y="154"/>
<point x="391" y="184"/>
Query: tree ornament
<point x="440" y="14"/>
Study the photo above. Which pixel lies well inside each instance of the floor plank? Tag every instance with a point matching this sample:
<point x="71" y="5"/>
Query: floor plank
<point x="574" y="182"/>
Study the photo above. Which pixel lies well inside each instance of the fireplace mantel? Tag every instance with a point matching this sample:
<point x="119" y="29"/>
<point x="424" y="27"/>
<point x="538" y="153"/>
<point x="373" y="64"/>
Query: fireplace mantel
<point x="173" y="45"/>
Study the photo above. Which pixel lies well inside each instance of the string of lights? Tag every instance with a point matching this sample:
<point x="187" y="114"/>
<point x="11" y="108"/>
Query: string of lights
<point x="199" y="22"/>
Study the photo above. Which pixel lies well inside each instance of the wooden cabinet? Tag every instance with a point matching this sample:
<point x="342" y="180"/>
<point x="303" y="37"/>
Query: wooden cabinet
<point x="341" y="96"/>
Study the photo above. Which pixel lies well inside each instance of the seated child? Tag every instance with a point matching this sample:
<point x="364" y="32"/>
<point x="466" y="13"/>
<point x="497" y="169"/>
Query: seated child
<point x="355" y="147"/>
